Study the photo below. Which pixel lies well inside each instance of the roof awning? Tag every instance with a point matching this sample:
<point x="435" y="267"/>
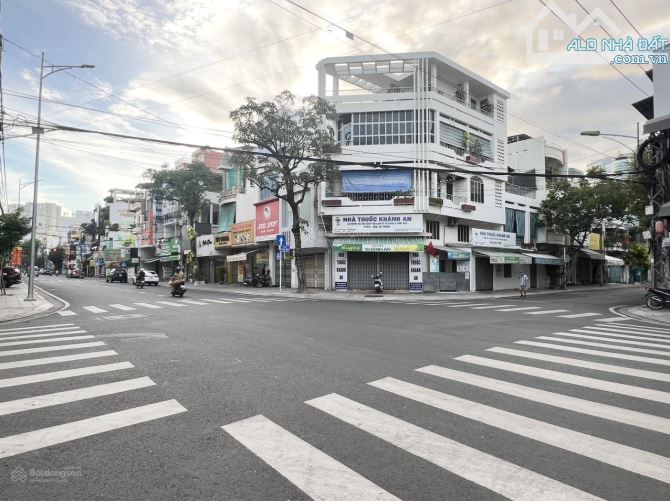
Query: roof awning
<point x="596" y="256"/>
<point x="454" y="253"/>
<point x="379" y="244"/>
<point x="614" y="261"/>
<point x="506" y="257"/>
<point x="151" y="260"/>
<point x="242" y="256"/>
<point x="664" y="210"/>
<point x="544" y="258"/>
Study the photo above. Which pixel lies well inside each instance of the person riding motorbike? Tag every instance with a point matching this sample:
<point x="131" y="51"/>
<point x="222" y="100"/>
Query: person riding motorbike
<point x="177" y="279"/>
<point x="139" y="277"/>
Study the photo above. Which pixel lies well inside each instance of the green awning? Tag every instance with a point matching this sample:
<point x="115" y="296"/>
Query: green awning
<point x="379" y="244"/>
<point x="595" y="256"/>
<point x="509" y="257"/>
<point x="454" y="253"/>
<point x="544" y="258"/>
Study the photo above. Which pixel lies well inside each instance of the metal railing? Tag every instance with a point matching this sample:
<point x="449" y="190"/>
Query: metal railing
<point x="366" y="197"/>
<point x="368" y="92"/>
<point x="520" y="190"/>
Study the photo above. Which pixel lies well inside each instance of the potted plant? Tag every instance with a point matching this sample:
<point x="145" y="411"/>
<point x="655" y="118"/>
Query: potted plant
<point x="486" y="107"/>
<point x="475" y="156"/>
<point x="459" y="94"/>
<point x="403" y="198"/>
<point x="199" y="276"/>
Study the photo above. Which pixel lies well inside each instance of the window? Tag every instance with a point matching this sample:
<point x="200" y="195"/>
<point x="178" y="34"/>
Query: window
<point x="507" y="271"/>
<point x="434" y="228"/>
<point x="463" y="233"/>
<point x="384" y="127"/>
<point x="476" y="190"/>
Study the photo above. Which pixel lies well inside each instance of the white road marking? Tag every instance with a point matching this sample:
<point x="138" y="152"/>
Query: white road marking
<point x="38" y="439"/>
<point x="122" y="307"/>
<point x="579" y="315"/>
<point x="9" y="353"/>
<point x="614" y="319"/>
<point x="497" y="475"/>
<point x="172" y="303"/>
<point x="94" y="309"/>
<point x="52" y="360"/>
<point x="639" y="336"/>
<point x="190" y="301"/>
<point x="63" y="397"/>
<point x="465" y="304"/>
<point x="51" y="376"/>
<point x="622" y="456"/>
<point x="605" y="345"/>
<point x="66" y="313"/>
<point x="545" y="312"/>
<point x="631" y="330"/>
<point x="147" y="305"/>
<point x="600" y="353"/>
<point x="49" y="340"/>
<point x="44" y="334"/>
<point x="490" y="307"/>
<point x="239" y="300"/>
<point x="39" y="328"/>
<point x="574" y="362"/>
<point x="609" y="412"/>
<point x="637" y="342"/>
<point x="217" y="301"/>
<point x="521" y="308"/>
<point x="564" y="377"/>
<point x="312" y="471"/>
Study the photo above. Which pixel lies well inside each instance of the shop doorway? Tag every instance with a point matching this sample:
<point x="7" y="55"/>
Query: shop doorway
<point x="315" y="277"/>
<point x="393" y="265"/>
<point x="484" y="274"/>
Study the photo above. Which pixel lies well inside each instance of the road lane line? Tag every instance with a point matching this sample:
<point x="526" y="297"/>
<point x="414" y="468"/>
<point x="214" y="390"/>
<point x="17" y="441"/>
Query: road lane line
<point x="64" y="397"/>
<point x="580" y="315"/>
<point x="45" y="334"/>
<point x="522" y="308"/>
<point x="94" y="309"/>
<point x="52" y="360"/>
<point x="574" y="379"/>
<point x="46" y="437"/>
<point x="630" y="330"/>
<point x="147" y="305"/>
<point x="122" y="307"/>
<point x="67" y="373"/>
<point x="172" y="303"/>
<point x="190" y="301"/>
<point x="605" y="345"/>
<point x="641" y="337"/>
<point x="66" y="313"/>
<point x="614" y="319"/>
<point x="636" y="342"/>
<point x="497" y="475"/>
<point x="48" y="340"/>
<point x="604" y="411"/>
<point x="9" y="353"/>
<point x="312" y="471"/>
<point x="600" y="353"/>
<point x="217" y="301"/>
<point x="545" y="312"/>
<point x="40" y="327"/>
<point x="586" y="364"/>
<point x="490" y="307"/>
<point x="239" y="300"/>
<point x="612" y="453"/>
<point x="461" y="305"/>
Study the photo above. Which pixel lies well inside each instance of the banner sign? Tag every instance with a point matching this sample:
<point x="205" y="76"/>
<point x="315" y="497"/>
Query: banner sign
<point x="222" y="239"/>
<point x="168" y="247"/>
<point x="415" y="271"/>
<point x="205" y="246"/>
<point x="341" y="271"/>
<point x="378" y="223"/>
<point x="242" y="233"/>
<point x="377" y="247"/>
<point x="16" y="256"/>
<point x="492" y="238"/>
<point x="267" y="220"/>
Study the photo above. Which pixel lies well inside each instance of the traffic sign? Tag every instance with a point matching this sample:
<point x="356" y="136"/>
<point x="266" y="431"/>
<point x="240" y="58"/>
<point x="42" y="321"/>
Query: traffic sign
<point x="285" y="248"/>
<point x="281" y="240"/>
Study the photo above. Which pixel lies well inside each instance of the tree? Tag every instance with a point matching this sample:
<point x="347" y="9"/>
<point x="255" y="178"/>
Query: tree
<point x="13" y="227"/>
<point x="288" y="135"/>
<point x="637" y="256"/>
<point x="57" y="256"/>
<point x="25" y="250"/>
<point x="90" y="228"/>
<point x="576" y="210"/>
<point x="187" y="186"/>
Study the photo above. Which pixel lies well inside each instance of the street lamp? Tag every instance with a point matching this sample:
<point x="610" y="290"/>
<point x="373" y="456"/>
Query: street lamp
<point x="21" y="186"/>
<point x="51" y="69"/>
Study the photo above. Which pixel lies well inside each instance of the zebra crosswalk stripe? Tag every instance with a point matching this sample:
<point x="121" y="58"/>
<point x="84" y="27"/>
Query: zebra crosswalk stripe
<point x="635" y="341"/>
<point x="497" y="475"/>
<point x="9" y="353"/>
<point x="522" y="308"/>
<point x="605" y="345"/>
<point x="323" y="479"/>
<point x="38" y="439"/>
<point x="491" y="306"/>
<point x="122" y="307"/>
<point x="53" y="360"/>
<point x="604" y="411"/>
<point x="148" y="305"/>
<point x="172" y="303"/>
<point x="579" y="315"/>
<point x="38" y="328"/>
<point x="66" y="313"/>
<point x="190" y="301"/>
<point x="220" y="301"/>
<point x="545" y="312"/>
<point x="48" y="340"/>
<point x="42" y="334"/>
<point x="630" y="330"/>
<point x="622" y="456"/>
<point x="51" y="376"/>
<point x="94" y="309"/>
<point x="640" y="337"/>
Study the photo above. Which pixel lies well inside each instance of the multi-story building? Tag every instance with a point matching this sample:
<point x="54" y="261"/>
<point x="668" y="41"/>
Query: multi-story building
<point x="426" y="143"/>
<point x="621" y="166"/>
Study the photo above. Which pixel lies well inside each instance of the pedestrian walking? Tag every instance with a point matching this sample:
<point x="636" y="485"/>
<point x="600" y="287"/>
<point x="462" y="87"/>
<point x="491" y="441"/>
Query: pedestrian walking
<point x="523" y="283"/>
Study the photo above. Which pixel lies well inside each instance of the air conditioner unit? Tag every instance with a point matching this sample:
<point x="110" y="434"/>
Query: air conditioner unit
<point x="452" y="221"/>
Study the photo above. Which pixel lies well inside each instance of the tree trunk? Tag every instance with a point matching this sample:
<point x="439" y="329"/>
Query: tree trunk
<point x="297" y="252"/>
<point x="3" y="292"/>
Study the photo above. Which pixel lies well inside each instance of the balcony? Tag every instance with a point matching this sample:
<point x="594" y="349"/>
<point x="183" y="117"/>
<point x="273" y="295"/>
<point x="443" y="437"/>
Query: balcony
<point x="520" y="190"/>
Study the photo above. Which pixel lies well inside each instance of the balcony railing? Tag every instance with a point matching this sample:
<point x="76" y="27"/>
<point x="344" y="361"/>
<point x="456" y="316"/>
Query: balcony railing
<point x="520" y="190"/>
<point x="366" y="197"/>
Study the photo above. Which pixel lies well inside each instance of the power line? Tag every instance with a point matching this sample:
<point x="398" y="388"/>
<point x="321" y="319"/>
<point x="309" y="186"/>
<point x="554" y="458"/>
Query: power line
<point x="626" y="18"/>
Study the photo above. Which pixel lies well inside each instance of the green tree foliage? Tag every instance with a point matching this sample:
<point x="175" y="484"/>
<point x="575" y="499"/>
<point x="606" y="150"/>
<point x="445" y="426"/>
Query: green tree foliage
<point x="637" y="256"/>
<point x="288" y="133"/>
<point x="90" y="229"/>
<point x="13" y="227"/>
<point x="25" y="249"/>
<point x="57" y="256"/>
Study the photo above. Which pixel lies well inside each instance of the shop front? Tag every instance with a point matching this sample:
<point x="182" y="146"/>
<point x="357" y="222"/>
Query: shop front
<point x="267" y="226"/>
<point x="222" y="244"/>
<point x="497" y="261"/>
<point x="242" y="262"/>
<point x="545" y="270"/>
<point x="448" y="269"/>
<point x="169" y="257"/>
<point x="209" y="258"/>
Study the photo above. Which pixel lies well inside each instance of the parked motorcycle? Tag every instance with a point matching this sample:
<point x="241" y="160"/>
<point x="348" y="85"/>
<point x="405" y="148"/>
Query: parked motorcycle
<point x="258" y="280"/>
<point x="178" y="290"/>
<point x="378" y="285"/>
<point x="657" y="298"/>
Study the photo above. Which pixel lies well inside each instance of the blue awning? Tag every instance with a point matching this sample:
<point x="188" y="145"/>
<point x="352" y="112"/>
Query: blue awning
<point x="376" y="181"/>
<point x="544" y="258"/>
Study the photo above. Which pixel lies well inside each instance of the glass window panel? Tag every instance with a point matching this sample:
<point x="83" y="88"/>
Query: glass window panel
<point x="375" y="129"/>
<point x="395" y="116"/>
<point x="402" y="139"/>
<point x="356" y="141"/>
<point x="410" y="115"/>
<point x="409" y="139"/>
<point x="376" y="116"/>
<point x="356" y="130"/>
<point x="368" y="140"/>
<point x="375" y="140"/>
<point x="395" y="139"/>
<point x="402" y="128"/>
<point x="368" y="129"/>
<point x="395" y="128"/>
<point x="368" y="117"/>
<point x="382" y="140"/>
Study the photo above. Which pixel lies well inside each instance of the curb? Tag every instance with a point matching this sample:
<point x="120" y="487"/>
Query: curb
<point x="54" y="308"/>
<point x="625" y="311"/>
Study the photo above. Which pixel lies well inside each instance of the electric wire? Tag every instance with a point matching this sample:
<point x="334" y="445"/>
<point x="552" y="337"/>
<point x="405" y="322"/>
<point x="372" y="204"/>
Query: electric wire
<point x="626" y="18"/>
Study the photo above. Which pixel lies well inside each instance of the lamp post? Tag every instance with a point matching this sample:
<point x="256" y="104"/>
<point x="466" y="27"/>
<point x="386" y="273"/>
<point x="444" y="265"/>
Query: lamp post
<point x="21" y="186"/>
<point x="51" y="69"/>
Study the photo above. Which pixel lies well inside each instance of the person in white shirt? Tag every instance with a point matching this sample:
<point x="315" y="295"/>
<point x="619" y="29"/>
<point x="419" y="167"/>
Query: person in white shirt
<point x="523" y="283"/>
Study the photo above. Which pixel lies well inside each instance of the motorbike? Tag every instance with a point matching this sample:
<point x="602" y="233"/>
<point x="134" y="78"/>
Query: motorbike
<point x="378" y="285"/>
<point x="178" y="290"/>
<point x="139" y="283"/>
<point x="657" y="298"/>
<point x="258" y="280"/>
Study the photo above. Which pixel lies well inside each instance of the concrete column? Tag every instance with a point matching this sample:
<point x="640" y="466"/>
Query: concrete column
<point x="433" y="184"/>
<point x="322" y="82"/>
<point x="466" y="89"/>
<point x="433" y="77"/>
<point x="336" y="86"/>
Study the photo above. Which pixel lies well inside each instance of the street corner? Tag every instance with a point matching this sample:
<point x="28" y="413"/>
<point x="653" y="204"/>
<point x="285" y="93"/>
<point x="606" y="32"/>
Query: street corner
<point x="14" y="306"/>
<point x="645" y="314"/>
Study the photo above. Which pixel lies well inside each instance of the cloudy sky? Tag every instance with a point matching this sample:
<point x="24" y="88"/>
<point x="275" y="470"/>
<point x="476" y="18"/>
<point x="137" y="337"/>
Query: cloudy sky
<point x="174" y="69"/>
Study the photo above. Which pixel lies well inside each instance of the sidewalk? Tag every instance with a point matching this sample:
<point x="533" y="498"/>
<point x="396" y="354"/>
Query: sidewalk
<point x="389" y="296"/>
<point x="644" y="313"/>
<point x="13" y="306"/>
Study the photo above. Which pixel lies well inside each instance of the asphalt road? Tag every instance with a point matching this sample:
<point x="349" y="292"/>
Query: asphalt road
<point x="234" y="397"/>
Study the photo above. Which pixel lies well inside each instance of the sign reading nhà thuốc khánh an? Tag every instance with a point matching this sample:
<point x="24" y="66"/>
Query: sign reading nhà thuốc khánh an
<point x="378" y="223"/>
<point x="492" y="238"/>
